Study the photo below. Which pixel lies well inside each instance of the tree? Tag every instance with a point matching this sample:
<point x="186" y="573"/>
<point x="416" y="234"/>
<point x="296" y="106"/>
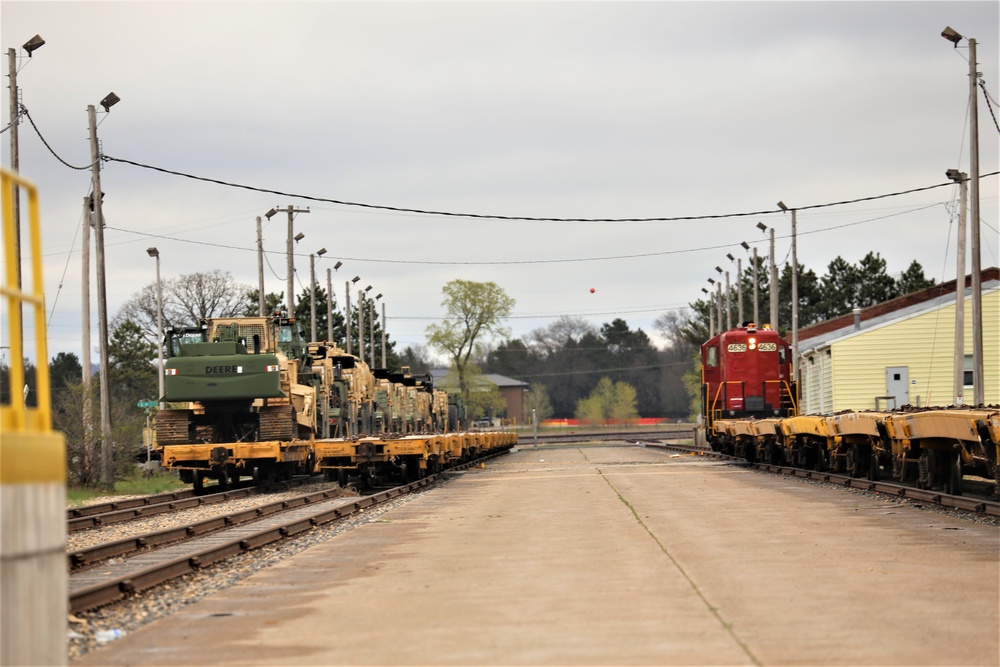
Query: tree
<point x="131" y="372"/>
<point x="187" y="299"/>
<point x="272" y="303"/>
<point x="474" y="310"/>
<point x="78" y="417"/>
<point x="874" y="284"/>
<point x="537" y="401"/>
<point x="913" y="279"/>
<point x="840" y="288"/>
<point x="608" y="401"/>
<point x="417" y="358"/>
<point x="64" y="368"/>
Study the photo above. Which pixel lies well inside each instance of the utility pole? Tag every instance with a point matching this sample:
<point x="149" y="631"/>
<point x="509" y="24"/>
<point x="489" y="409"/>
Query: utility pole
<point x="978" y="391"/>
<point x="756" y="290"/>
<point x="15" y="119"/>
<point x="290" y="300"/>
<point x="102" y="304"/>
<point x="260" y="269"/>
<point x="962" y="178"/>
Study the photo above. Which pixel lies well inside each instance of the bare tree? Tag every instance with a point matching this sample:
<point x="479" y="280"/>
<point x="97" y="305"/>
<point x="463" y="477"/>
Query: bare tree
<point x="186" y="300"/>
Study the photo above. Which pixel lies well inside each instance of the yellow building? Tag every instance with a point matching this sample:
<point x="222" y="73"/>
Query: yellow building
<point x="900" y="352"/>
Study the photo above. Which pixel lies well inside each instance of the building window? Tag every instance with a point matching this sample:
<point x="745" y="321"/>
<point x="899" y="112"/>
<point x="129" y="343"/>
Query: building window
<point x="967" y="378"/>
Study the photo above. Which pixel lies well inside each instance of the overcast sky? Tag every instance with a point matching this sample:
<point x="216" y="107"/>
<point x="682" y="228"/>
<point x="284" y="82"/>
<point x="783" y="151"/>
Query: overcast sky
<point x="534" y="109"/>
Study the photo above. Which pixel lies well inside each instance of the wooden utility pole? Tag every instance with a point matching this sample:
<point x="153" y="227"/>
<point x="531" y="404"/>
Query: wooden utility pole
<point x="102" y="304"/>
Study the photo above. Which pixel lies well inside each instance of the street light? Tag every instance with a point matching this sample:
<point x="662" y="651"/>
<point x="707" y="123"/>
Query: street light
<point x="955" y="37"/>
<point x="153" y="252"/>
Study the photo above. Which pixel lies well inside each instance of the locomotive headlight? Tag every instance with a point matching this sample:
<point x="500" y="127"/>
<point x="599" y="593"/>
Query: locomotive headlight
<point x="752" y="343"/>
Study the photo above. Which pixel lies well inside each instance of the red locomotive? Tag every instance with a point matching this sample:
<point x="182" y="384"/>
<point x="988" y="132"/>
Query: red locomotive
<point x="746" y="372"/>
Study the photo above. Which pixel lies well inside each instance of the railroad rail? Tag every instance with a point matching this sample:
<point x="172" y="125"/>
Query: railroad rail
<point x="969" y="504"/>
<point x="116" y="511"/>
<point x="97" y="587"/>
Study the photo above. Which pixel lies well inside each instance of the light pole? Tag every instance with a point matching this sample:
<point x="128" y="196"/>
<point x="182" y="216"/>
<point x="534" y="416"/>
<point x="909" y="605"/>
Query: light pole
<point x="312" y="292"/>
<point x="795" y="295"/>
<point x="977" y="297"/>
<point x="377" y="297"/>
<point x="102" y="290"/>
<point x="756" y="298"/>
<point x="329" y="300"/>
<point x="261" y="301"/>
<point x="711" y="322"/>
<point x="371" y="328"/>
<point x="739" y="287"/>
<point x="347" y="311"/>
<point x="153" y="252"/>
<point x="719" y="298"/>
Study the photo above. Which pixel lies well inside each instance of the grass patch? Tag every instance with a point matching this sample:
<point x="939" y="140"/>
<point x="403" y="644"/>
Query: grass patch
<point x="136" y="484"/>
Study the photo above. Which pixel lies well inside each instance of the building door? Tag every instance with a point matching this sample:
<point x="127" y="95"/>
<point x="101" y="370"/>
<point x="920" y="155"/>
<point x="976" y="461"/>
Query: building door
<point x="897" y="384"/>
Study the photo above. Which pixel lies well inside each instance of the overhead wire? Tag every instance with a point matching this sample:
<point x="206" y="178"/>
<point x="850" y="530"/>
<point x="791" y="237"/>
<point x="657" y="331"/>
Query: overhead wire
<point x="661" y="253"/>
<point x="31" y="120"/>
<point x="516" y="217"/>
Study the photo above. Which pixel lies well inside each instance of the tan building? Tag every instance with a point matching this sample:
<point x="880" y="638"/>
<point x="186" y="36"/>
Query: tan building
<point x="513" y="392"/>
<point x="899" y="352"/>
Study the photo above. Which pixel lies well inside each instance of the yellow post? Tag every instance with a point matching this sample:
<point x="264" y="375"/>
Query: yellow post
<point x="33" y="587"/>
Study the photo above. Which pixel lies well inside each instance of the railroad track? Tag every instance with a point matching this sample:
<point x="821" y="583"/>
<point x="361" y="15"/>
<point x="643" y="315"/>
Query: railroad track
<point x="977" y="505"/>
<point x="103" y="514"/>
<point x="192" y="548"/>
<point x="526" y="440"/>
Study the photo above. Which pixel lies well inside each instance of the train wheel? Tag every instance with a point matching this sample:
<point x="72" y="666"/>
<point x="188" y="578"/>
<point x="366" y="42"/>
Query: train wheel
<point x="197" y="481"/>
<point x="954" y="478"/>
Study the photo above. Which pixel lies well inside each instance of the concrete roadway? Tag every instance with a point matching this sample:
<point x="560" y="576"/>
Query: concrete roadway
<point x="610" y="556"/>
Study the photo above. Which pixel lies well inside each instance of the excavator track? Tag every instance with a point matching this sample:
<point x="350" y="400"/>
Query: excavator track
<point x="277" y="422"/>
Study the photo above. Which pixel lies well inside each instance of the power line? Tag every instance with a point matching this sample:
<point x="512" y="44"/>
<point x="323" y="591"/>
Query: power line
<point x="516" y="217"/>
<point x="380" y="260"/>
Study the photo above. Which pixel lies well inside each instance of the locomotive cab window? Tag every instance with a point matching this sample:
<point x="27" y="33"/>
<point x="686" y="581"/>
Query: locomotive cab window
<point x="782" y="354"/>
<point x="712" y="356"/>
